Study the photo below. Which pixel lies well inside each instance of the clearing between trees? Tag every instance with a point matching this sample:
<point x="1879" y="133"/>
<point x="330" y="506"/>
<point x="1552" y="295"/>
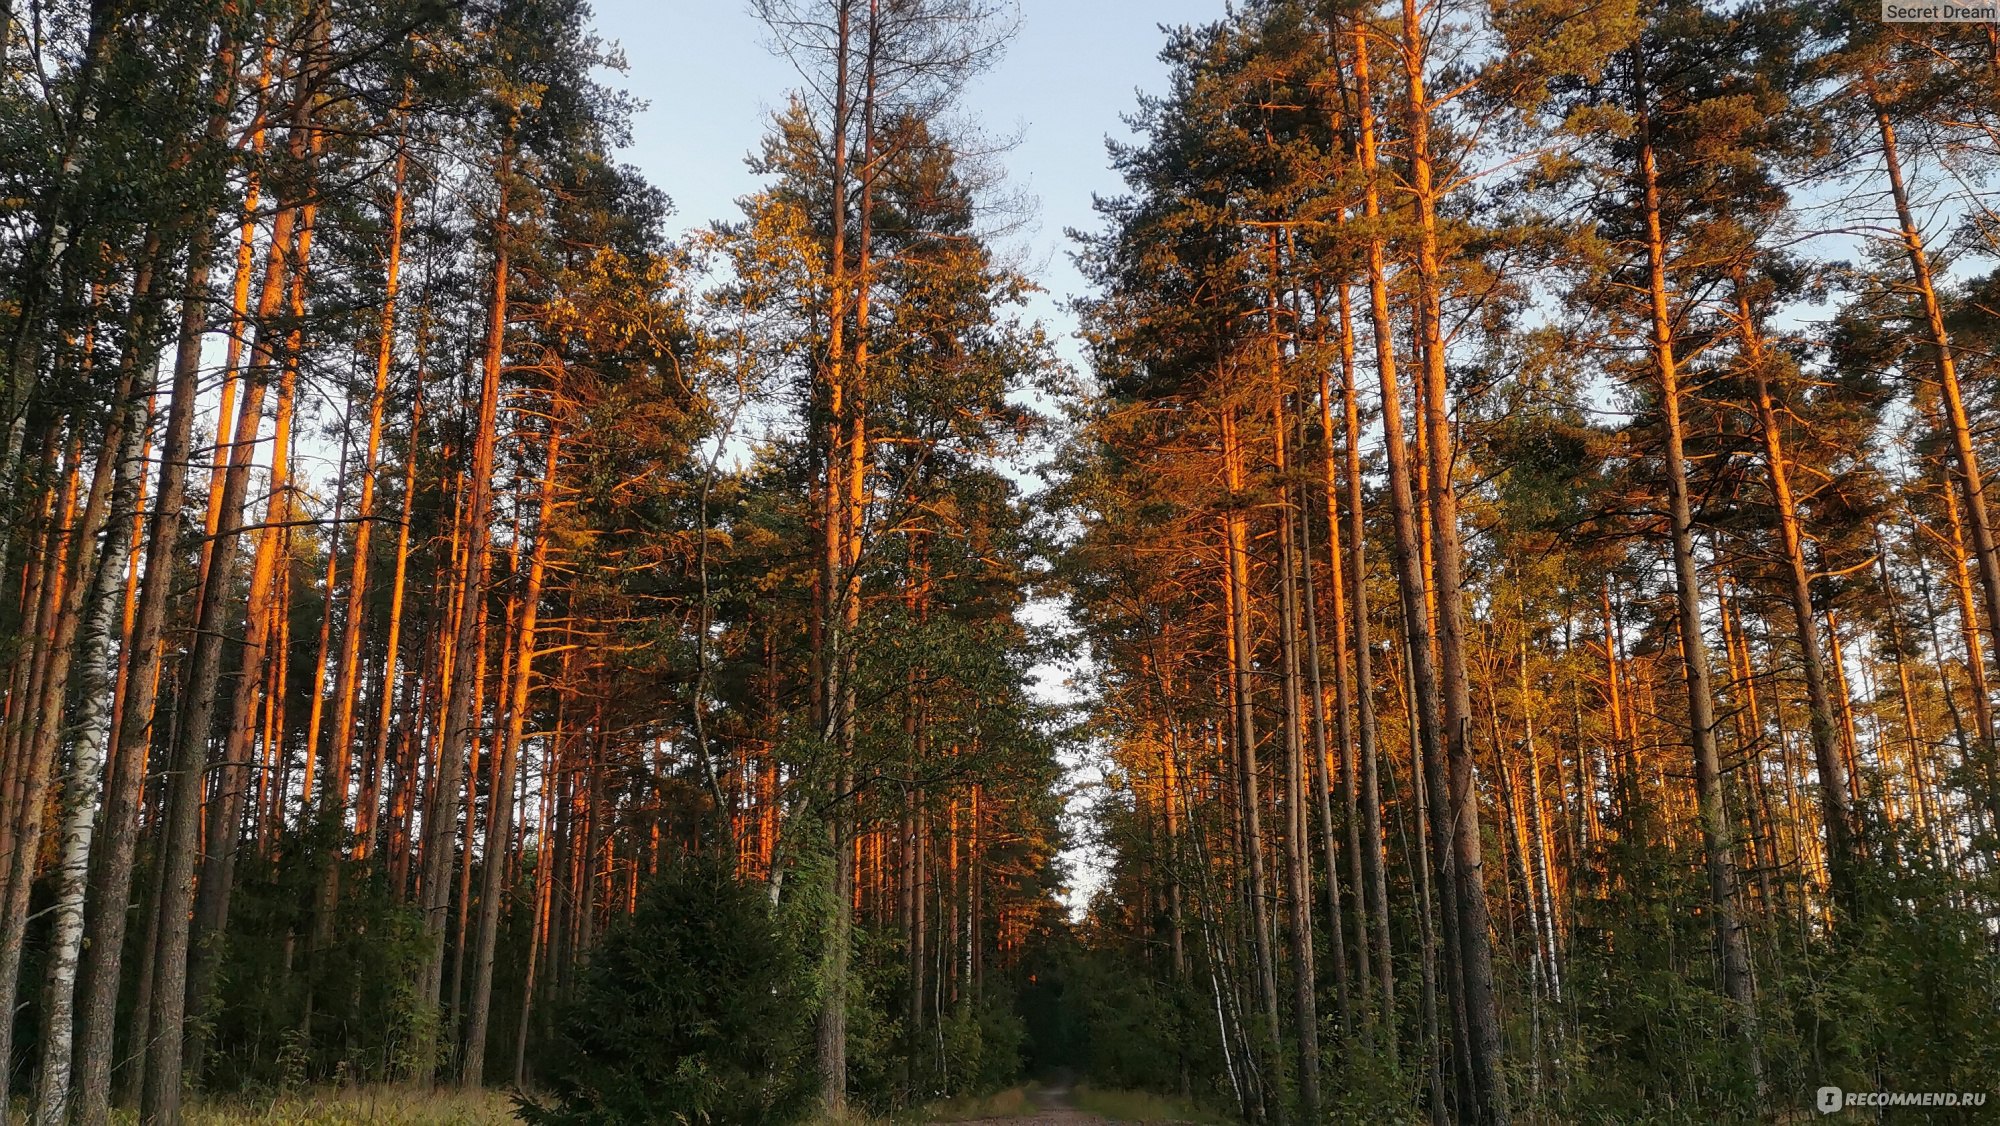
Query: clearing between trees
<point x="1480" y="607"/>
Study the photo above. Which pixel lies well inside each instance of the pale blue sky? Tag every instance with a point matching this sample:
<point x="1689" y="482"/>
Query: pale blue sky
<point x="710" y="82"/>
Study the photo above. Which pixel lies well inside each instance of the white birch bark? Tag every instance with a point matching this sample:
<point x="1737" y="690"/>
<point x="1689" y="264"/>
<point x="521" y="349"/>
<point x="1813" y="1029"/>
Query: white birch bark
<point x="82" y="788"/>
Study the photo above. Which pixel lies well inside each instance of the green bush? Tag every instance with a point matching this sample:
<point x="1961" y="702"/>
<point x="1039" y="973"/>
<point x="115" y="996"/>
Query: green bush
<point x="694" y="1009"/>
<point x="288" y="1010"/>
<point x="977" y="1047"/>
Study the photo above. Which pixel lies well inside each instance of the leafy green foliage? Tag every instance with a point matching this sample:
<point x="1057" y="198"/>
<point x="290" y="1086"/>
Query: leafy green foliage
<point x="284" y="1014"/>
<point x="692" y="1010"/>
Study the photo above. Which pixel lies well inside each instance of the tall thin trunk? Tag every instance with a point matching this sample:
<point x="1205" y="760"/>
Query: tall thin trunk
<point x="1971" y="480"/>
<point x="1750" y="734"/>
<point x="174" y="970"/>
<point x="830" y="1032"/>
<point x="1375" y="871"/>
<point x="1243" y="670"/>
<point x="187" y="767"/>
<point x="265" y="618"/>
<point x="1539" y="842"/>
<point x="500" y="803"/>
<point x="91" y="726"/>
<point x="69" y="574"/>
<point x="538" y="922"/>
<point x="1343" y="687"/>
<point x="238" y="330"/>
<point x="112" y="890"/>
<point x="1298" y="856"/>
<point x="441" y="819"/>
<point x="1408" y="544"/>
<point x="1836" y="818"/>
<point x="335" y="778"/>
<point x="1482" y="1029"/>
<point x="1968" y="613"/>
<point x="1172" y="783"/>
<point x="330" y="809"/>
<point x="1716" y="829"/>
<point x="454" y="991"/>
<point x="1914" y="743"/>
<point x="1323" y="785"/>
<point x="368" y="810"/>
<point x="69" y="571"/>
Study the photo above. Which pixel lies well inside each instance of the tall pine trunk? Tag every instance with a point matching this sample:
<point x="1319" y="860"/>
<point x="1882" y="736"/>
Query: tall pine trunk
<point x="1836" y="817"/>
<point x="1408" y="552"/>
<point x="1717" y="831"/>
<point x="500" y="808"/>
<point x="441" y="818"/>
<point x="1971" y="480"/>
<point x="1482" y="1031"/>
<point x="188" y="763"/>
<point x="1375" y="870"/>
<point x="1298" y="856"/>
<point x="223" y="832"/>
<point x="112" y="891"/>
<point x="1236" y="528"/>
<point x="829" y="656"/>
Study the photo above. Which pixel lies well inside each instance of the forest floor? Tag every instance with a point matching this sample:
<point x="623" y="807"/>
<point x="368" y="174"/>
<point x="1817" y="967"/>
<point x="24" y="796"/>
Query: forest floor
<point x="1040" y="1105"/>
<point x="355" y="1106"/>
<point x="1061" y="1101"/>
<point x="1050" y="1104"/>
<point x="1056" y="1101"/>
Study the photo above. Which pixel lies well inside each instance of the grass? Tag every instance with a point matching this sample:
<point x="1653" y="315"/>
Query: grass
<point x="353" y="1106"/>
<point x="1009" y="1103"/>
<point x="1142" y="1106"/>
<point x="443" y="1106"/>
<point x="849" y="1117"/>
<point x="968" y="1108"/>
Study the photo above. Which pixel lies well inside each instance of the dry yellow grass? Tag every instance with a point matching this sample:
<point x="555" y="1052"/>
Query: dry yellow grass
<point x="353" y="1106"/>
<point x="1139" y="1106"/>
<point x="1009" y="1103"/>
<point x="411" y="1106"/>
